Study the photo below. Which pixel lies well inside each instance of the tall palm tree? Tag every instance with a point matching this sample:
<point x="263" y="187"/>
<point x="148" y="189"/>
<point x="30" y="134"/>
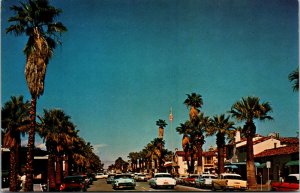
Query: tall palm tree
<point x="200" y="125"/>
<point x="36" y="19"/>
<point x="188" y="143"/>
<point x="15" y="121"/>
<point x="159" y="144"/>
<point x="58" y="134"/>
<point x="161" y="124"/>
<point x="294" y="77"/>
<point x="194" y="101"/>
<point x="249" y="109"/>
<point x="220" y="126"/>
<point x="133" y="156"/>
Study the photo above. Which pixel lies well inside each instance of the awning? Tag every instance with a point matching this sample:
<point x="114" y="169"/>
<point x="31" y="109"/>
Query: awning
<point x="231" y="166"/>
<point x="244" y="163"/>
<point x="170" y="164"/>
<point x="292" y="163"/>
<point x="263" y="165"/>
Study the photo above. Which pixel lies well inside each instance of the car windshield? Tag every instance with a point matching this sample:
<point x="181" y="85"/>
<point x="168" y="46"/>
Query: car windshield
<point x="163" y="176"/>
<point x="292" y="179"/>
<point x="123" y="176"/>
<point x="232" y="177"/>
<point x="73" y="179"/>
<point x="213" y="177"/>
<point x="142" y="175"/>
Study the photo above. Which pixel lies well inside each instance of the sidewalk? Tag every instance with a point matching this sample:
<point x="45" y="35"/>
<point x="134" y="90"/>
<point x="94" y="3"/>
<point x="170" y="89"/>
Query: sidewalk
<point x="261" y="188"/>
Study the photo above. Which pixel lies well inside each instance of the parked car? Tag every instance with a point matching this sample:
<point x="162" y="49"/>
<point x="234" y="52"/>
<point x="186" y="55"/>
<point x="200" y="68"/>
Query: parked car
<point x="101" y="176"/>
<point x="162" y="180"/>
<point x="92" y="177"/>
<point x="190" y="180"/>
<point x="140" y="178"/>
<point x="123" y="181"/>
<point x="73" y="183"/>
<point x="205" y="180"/>
<point x="229" y="181"/>
<point x="180" y="180"/>
<point x="148" y="176"/>
<point x="291" y="183"/>
<point x="110" y="178"/>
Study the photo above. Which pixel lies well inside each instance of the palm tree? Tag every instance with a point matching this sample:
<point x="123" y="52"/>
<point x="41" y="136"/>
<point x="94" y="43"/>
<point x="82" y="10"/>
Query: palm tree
<point x="159" y="144"/>
<point x="58" y="133"/>
<point x="194" y="101"/>
<point x="249" y="109"/>
<point x="201" y="123"/>
<point x="294" y="77"/>
<point x="133" y="156"/>
<point x="161" y="124"/>
<point x="188" y="143"/>
<point x="220" y="126"/>
<point x="35" y="19"/>
<point x="15" y="121"/>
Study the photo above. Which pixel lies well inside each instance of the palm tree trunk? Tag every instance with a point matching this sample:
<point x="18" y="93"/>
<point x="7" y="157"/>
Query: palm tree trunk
<point x="58" y="176"/>
<point x="13" y="177"/>
<point x="251" y="179"/>
<point x="221" y="144"/>
<point x="66" y="156"/>
<point x="199" y="160"/>
<point x="30" y="147"/>
<point x="192" y="166"/>
<point x="221" y="159"/>
<point x="51" y="173"/>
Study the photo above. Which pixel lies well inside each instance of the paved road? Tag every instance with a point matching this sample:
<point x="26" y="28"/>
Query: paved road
<point x="101" y="185"/>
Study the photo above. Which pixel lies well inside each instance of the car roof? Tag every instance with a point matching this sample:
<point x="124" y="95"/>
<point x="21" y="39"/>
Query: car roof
<point x="296" y="175"/>
<point x="208" y="175"/>
<point x="230" y="174"/>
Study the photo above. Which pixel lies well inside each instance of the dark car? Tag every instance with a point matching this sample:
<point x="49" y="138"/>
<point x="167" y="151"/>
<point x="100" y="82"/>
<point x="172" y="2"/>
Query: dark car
<point x="110" y="178"/>
<point x="73" y="183"/>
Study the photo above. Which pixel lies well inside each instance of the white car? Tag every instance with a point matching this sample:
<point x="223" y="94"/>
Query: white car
<point x="101" y="176"/>
<point x="123" y="181"/>
<point x="229" y="181"/>
<point x="162" y="180"/>
<point x="205" y="180"/>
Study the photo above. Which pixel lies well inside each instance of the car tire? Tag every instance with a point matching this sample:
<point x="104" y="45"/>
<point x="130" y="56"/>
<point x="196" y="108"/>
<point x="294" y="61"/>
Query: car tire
<point x="213" y="187"/>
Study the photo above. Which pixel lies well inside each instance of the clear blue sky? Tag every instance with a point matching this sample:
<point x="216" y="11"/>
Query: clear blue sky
<point x="124" y="63"/>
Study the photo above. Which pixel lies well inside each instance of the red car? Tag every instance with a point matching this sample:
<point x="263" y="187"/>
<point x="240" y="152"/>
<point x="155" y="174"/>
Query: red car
<point x="291" y="183"/>
<point x="74" y="183"/>
<point x="190" y="180"/>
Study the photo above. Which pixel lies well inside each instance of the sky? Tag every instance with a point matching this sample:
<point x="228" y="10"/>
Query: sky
<point x="124" y="64"/>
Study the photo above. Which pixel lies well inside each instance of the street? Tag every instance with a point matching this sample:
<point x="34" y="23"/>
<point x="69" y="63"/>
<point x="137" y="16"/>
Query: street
<point x="101" y="185"/>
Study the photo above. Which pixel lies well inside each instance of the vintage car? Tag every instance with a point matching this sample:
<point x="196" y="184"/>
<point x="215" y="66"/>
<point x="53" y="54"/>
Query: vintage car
<point x="229" y="181"/>
<point x="101" y="176"/>
<point x="291" y="183"/>
<point x="205" y="180"/>
<point x="190" y="180"/>
<point x="110" y="178"/>
<point x="140" y="177"/>
<point x="123" y="181"/>
<point x="163" y="180"/>
<point x="74" y="183"/>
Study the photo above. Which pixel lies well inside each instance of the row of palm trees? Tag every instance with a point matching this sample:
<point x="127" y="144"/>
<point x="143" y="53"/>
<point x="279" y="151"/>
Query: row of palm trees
<point x="35" y="19"/>
<point x="153" y="155"/>
<point x="200" y="126"/>
<point x="60" y="136"/>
